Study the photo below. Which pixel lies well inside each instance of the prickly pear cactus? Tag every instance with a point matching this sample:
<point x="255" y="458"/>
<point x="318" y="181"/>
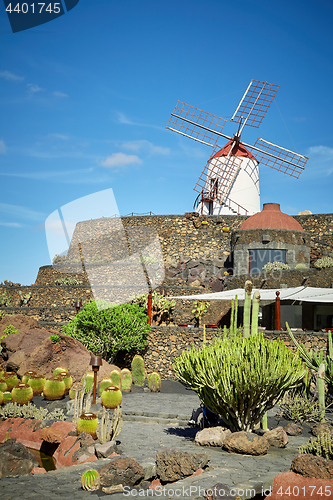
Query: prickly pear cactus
<point x="154" y="382"/>
<point x="126" y="380"/>
<point x="138" y="370"/>
<point x="90" y="480"/>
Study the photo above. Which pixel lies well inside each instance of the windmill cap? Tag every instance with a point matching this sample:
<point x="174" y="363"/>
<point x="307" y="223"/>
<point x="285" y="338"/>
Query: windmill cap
<point x="271" y="217"/>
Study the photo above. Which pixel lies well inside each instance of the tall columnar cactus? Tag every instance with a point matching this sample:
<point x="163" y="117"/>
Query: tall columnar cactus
<point x="255" y="313"/>
<point x="234" y="315"/>
<point x="126" y="380"/>
<point x="107" y="429"/>
<point x="247" y="308"/>
<point x="321" y="390"/>
<point x="240" y="378"/>
<point x="154" y="382"/>
<point x="115" y="377"/>
<point x="138" y="370"/>
<point x="81" y="397"/>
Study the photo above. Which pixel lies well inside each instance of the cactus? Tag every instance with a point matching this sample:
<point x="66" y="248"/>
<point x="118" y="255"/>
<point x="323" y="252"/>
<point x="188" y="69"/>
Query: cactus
<point x="154" y="382"/>
<point x="78" y="401"/>
<point x="264" y="425"/>
<point x="255" y="313"/>
<point x="247" y="308"/>
<point x="126" y="380"/>
<point x="90" y="480"/>
<point x="321" y="390"/>
<point x="115" y="377"/>
<point x="321" y="446"/>
<point x="76" y="388"/>
<point x="87" y="423"/>
<point x="37" y="383"/>
<point x="22" y="394"/>
<point x="11" y="380"/>
<point x="54" y="388"/>
<point x="111" y="397"/>
<point x="138" y="370"/>
<point x="67" y="378"/>
<point x="58" y="370"/>
<point x="106" y="430"/>
<point x="7" y="396"/>
<point x="3" y="385"/>
<point x="28" y="375"/>
<point x="2" y="399"/>
<point x="24" y="299"/>
<point x="233" y="319"/>
<point x="89" y="380"/>
<point x="105" y="382"/>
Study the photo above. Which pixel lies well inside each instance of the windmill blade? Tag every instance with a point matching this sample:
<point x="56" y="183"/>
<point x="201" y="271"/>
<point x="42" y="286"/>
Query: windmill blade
<point x="278" y="158"/>
<point x="255" y="103"/>
<point x="196" y="124"/>
<point x="218" y="176"/>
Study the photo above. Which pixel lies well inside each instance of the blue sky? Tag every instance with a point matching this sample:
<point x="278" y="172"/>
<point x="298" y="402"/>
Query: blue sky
<point x="85" y="99"/>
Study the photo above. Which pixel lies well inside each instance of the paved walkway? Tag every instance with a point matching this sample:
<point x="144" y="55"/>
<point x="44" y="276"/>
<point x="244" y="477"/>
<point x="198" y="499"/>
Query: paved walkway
<point x="152" y="421"/>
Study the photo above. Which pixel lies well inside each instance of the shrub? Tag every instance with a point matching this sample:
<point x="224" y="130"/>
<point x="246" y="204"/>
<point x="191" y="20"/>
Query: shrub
<point x="299" y="409"/>
<point x="321" y="446"/>
<point x="54" y="338"/>
<point x="7" y="331"/>
<point x="13" y="410"/>
<point x="240" y="378"/>
<point x="275" y="266"/>
<point x="323" y="263"/>
<point x="301" y="265"/>
<point x="68" y="282"/>
<point x="105" y="329"/>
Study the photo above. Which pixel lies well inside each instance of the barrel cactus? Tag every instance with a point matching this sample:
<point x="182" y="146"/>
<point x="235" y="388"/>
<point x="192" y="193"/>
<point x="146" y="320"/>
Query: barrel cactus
<point x="154" y="382"/>
<point x="89" y="380"/>
<point x="3" y="385"/>
<point x="2" y="399"/>
<point x="54" y="388"/>
<point x="138" y="370"/>
<point x="111" y="397"/>
<point x="105" y="382"/>
<point x="58" y="370"/>
<point x="28" y="375"/>
<point x="90" y="480"/>
<point x="115" y="377"/>
<point x="67" y="378"/>
<point x="22" y="394"/>
<point x="7" y="396"/>
<point x="126" y="380"/>
<point x="76" y="387"/>
<point x="11" y="380"/>
<point x="37" y="383"/>
<point x="88" y="423"/>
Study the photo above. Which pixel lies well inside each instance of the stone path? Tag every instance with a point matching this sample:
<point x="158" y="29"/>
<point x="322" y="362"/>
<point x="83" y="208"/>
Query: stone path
<point x="152" y="421"/>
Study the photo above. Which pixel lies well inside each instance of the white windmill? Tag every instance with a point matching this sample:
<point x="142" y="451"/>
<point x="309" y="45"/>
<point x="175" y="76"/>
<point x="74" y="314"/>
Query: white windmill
<point x="229" y="183"/>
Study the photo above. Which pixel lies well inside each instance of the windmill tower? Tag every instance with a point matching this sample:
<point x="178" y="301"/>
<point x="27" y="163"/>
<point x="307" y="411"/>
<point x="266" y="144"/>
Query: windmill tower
<point x="229" y="183"/>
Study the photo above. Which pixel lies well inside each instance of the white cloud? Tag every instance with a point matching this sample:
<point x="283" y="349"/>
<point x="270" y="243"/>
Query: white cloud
<point x="2" y="147"/>
<point x="7" y="75"/>
<point x="19" y="211"/>
<point x="323" y="152"/>
<point x="120" y="160"/>
<point x="322" y="157"/>
<point x="122" y="118"/>
<point x="57" y="93"/>
<point x="144" y="144"/>
<point x="59" y="136"/>
<point x="33" y="88"/>
<point x="10" y="224"/>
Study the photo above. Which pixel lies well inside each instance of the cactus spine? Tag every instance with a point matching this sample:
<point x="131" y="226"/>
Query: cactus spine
<point x="247" y="308"/>
<point x="90" y="480"/>
<point x="321" y="390"/>
<point x="108" y="430"/>
<point x="126" y="380"/>
<point x="138" y="370"/>
<point x="154" y="382"/>
<point x="115" y="377"/>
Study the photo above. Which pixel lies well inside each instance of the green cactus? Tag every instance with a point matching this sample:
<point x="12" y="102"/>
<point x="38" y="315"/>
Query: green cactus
<point x="105" y="382"/>
<point x="89" y="380"/>
<point x="240" y="378"/>
<point x="11" y="380"/>
<point x="115" y="377"/>
<point x="68" y="380"/>
<point x="90" y="480"/>
<point x="7" y="396"/>
<point x="58" y="370"/>
<point x="154" y="382"/>
<point x="108" y="430"/>
<point x="54" y="388"/>
<point x="22" y="394"/>
<point x="138" y="370"/>
<point x="111" y="397"/>
<point x="28" y="375"/>
<point x="3" y="385"/>
<point x="234" y="315"/>
<point x="37" y="383"/>
<point x="255" y="313"/>
<point x="126" y="380"/>
<point x="2" y="399"/>
<point x="247" y="308"/>
<point x="76" y="388"/>
<point x="87" y="423"/>
<point x="321" y="446"/>
<point x="321" y="390"/>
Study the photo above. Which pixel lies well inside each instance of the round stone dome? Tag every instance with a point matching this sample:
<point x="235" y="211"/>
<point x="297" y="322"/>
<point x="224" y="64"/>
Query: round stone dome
<point x="271" y="217"/>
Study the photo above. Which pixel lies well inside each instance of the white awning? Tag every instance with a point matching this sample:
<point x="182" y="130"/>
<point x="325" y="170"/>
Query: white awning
<point x="306" y="294"/>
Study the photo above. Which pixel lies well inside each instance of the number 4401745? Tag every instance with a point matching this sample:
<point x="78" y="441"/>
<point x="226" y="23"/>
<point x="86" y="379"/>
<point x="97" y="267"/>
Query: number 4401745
<point x="305" y="491"/>
<point x="35" y="7"/>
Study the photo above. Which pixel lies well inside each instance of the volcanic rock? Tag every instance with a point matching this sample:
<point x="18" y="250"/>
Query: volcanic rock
<point x="125" y="471"/>
<point x="293" y="429"/>
<point x="15" y="459"/>
<point x="311" y="466"/>
<point x="320" y="427"/>
<point x="246" y="443"/>
<point x="211" y="436"/>
<point x="277" y="437"/>
<point x="173" y="464"/>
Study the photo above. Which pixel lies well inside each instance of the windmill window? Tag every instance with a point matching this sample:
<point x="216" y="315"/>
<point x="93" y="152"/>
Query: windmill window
<point x="258" y="258"/>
